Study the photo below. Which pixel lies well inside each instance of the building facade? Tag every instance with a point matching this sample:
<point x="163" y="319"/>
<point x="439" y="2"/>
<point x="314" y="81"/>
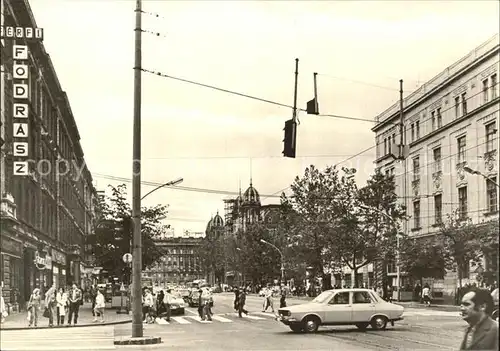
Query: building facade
<point x="450" y="122"/>
<point x="180" y="264"/>
<point x="46" y="214"/>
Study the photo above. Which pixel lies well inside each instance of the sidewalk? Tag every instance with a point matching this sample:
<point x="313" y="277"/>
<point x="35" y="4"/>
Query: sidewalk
<point x="85" y="318"/>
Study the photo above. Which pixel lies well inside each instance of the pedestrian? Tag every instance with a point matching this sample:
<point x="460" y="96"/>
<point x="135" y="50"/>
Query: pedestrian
<point x="100" y="304"/>
<point x="207" y="310"/>
<point x="167" y="302"/>
<point x="426" y="295"/>
<point x="93" y="295"/>
<point x="236" y="299"/>
<point x="34" y="307"/>
<point x="51" y="304"/>
<point x="160" y="303"/>
<point x="268" y="302"/>
<point x="482" y="333"/>
<point x="75" y="300"/>
<point x="62" y="306"/>
<point x="148" y="305"/>
<point x="3" y="310"/>
<point x="283" y="299"/>
<point x="200" y="304"/>
<point x="241" y="302"/>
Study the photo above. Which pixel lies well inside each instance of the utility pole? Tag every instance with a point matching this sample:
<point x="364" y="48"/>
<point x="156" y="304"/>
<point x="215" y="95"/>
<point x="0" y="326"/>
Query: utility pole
<point x="403" y="160"/>
<point x="137" y="328"/>
<point x="294" y="117"/>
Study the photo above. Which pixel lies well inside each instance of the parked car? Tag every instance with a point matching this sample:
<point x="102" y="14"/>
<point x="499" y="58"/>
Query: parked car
<point x="494" y="295"/>
<point x="359" y="307"/>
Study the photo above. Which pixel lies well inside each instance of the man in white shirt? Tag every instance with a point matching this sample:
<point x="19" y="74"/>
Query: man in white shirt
<point x="167" y="300"/>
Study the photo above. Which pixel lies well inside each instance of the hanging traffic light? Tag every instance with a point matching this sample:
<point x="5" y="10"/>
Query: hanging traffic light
<point x="289" y="142"/>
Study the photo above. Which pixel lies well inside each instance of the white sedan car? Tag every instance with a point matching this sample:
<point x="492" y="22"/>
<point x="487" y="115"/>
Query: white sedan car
<point x="359" y="307"/>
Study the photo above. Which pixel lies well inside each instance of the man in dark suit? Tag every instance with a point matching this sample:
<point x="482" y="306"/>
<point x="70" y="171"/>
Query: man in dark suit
<point x="482" y="333"/>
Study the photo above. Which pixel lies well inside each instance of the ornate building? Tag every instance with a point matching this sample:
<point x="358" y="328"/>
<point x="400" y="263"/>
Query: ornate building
<point x="450" y="125"/>
<point x="246" y="209"/>
<point x="47" y="212"/>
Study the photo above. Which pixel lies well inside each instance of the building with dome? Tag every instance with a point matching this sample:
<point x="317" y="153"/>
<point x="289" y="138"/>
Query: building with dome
<point x="246" y="209"/>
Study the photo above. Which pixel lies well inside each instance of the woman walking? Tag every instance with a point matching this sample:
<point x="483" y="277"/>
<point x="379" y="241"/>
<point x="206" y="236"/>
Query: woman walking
<point x="100" y="303"/>
<point x="34" y="307"/>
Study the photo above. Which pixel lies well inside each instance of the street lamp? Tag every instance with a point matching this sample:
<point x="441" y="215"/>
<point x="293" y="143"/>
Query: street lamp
<point x="171" y="183"/>
<point x="242" y="274"/>
<point x="282" y="259"/>
<point x="398" y="271"/>
<point x="474" y="172"/>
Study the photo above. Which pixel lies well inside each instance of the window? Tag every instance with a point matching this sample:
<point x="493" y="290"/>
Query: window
<point x="491" y="194"/>
<point x="490" y="136"/>
<point x="412" y="132"/>
<point x="361" y="297"/>
<point x="464" y="104"/>
<point x="416" y="168"/>
<point x="462" y="202"/>
<point x="494" y="86"/>
<point x="416" y="214"/>
<point x="389" y="144"/>
<point x="457" y="106"/>
<point x="385" y="146"/>
<point x="438" y="209"/>
<point x="485" y="90"/>
<point x="433" y="120"/>
<point x="341" y="298"/>
<point x="436" y="153"/>
<point x="439" y="118"/>
<point x="461" y="145"/>
<point x="417" y="124"/>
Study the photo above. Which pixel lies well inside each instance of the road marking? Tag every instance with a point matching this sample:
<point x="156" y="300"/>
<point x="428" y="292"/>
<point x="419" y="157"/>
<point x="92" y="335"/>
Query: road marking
<point x="265" y="314"/>
<point x="161" y="321"/>
<point x="221" y="319"/>
<point x="198" y="319"/>
<point x="250" y="317"/>
<point x="191" y="311"/>
<point x="181" y="320"/>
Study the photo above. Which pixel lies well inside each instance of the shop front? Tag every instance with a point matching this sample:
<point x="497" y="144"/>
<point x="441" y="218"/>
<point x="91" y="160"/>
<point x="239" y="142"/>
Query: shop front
<point x="11" y="269"/>
<point x="59" y="269"/>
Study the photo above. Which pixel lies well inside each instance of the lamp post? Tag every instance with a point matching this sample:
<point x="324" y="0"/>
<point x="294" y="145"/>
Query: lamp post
<point x="474" y="172"/>
<point x="241" y="266"/>
<point x="398" y="270"/>
<point x="171" y="183"/>
<point x="282" y="259"/>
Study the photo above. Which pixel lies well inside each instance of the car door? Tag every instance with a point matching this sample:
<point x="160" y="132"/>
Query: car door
<point x="338" y="309"/>
<point x="363" y="306"/>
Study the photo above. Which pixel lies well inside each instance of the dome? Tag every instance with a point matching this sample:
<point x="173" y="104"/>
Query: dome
<point x="217" y="221"/>
<point x="209" y="224"/>
<point x="251" y="196"/>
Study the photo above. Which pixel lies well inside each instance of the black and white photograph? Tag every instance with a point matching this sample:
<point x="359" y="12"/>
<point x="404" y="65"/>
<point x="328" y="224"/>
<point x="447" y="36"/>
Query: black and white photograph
<point x="249" y="175"/>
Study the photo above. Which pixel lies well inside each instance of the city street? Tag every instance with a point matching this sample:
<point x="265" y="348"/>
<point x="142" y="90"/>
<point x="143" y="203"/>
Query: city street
<point x="422" y="329"/>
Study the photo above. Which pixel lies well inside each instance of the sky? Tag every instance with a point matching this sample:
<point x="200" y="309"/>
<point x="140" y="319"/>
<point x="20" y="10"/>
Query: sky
<point x="215" y="140"/>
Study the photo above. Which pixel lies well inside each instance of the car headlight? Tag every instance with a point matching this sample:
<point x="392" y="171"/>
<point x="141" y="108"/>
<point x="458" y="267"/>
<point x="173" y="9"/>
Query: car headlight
<point x="181" y="305"/>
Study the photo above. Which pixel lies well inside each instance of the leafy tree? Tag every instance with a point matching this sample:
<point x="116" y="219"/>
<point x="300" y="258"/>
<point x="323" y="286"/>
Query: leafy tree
<point x="422" y="257"/>
<point x="114" y="231"/>
<point x="463" y="243"/>
<point x="318" y="202"/>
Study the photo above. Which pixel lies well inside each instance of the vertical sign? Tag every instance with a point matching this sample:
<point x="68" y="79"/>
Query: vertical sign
<point x="20" y="79"/>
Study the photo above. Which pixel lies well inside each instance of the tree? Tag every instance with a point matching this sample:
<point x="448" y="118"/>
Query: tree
<point x="318" y="202"/>
<point x="463" y="243"/>
<point x="367" y="228"/>
<point x="422" y="257"/>
<point x="114" y="229"/>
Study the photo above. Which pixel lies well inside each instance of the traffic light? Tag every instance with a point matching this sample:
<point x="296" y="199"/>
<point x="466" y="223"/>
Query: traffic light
<point x="290" y="138"/>
<point x="312" y="107"/>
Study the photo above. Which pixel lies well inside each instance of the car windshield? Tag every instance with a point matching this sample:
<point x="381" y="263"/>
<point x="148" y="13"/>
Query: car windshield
<point x="323" y="297"/>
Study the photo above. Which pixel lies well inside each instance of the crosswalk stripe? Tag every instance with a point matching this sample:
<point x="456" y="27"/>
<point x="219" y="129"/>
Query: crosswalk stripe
<point x="198" y="319"/>
<point x="181" y="320"/>
<point x="161" y="321"/>
<point x="250" y="317"/>
<point x="269" y="315"/>
<point x="221" y="319"/>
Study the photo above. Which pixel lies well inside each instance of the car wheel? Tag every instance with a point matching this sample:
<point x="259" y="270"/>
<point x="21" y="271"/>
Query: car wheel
<point x="181" y="311"/>
<point x="311" y="324"/>
<point x="362" y="326"/>
<point x="379" y="322"/>
<point x="296" y="328"/>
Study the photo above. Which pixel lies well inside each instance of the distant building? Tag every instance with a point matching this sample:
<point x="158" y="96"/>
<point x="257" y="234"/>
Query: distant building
<point x="47" y="214"/>
<point x="181" y="264"/>
<point x="450" y="122"/>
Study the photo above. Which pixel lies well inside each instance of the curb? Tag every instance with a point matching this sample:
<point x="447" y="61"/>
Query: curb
<point x="67" y="326"/>
<point x="431" y="307"/>
<point x="145" y="340"/>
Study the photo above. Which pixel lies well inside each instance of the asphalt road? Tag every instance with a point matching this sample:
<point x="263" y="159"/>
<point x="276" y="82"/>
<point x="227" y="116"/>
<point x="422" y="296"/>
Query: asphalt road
<point x="422" y="329"/>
